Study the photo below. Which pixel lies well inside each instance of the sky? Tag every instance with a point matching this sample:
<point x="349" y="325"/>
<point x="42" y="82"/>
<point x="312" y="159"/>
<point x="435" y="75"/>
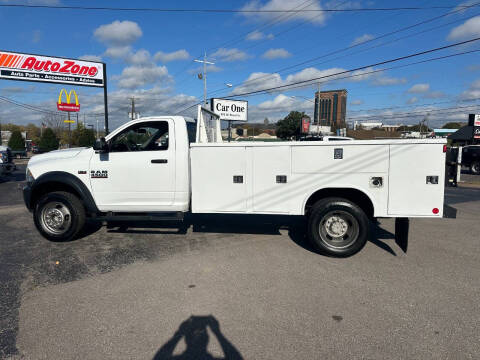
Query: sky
<point x="150" y="56"/>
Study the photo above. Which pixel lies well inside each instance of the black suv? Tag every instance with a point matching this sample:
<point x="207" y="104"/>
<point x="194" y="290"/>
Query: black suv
<point x="471" y="158"/>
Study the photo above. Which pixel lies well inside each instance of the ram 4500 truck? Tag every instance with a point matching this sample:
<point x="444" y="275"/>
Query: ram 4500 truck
<point x="162" y="167"/>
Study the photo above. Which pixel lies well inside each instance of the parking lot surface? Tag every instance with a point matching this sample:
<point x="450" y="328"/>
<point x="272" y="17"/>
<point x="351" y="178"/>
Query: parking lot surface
<point x="239" y="288"/>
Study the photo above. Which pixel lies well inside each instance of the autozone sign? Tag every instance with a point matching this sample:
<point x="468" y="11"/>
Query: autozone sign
<point x="17" y="66"/>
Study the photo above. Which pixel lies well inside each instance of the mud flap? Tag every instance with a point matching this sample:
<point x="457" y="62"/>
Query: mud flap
<point x="401" y="233"/>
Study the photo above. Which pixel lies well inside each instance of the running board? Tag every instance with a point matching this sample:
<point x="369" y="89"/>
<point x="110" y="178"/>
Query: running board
<point x="159" y="216"/>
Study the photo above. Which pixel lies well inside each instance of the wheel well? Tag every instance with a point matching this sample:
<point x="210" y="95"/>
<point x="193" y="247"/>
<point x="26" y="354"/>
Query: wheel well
<point x="51" y="186"/>
<point x="356" y="196"/>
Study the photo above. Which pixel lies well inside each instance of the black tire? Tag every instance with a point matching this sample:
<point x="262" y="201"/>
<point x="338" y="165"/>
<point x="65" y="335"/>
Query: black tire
<point x="59" y="204"/>
<point x="475" y="168"/>
<point x="338" y="216"/>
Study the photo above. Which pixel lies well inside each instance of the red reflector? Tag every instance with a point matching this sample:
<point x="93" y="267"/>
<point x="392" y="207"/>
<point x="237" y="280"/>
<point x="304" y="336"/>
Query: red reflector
<point x="444" y="148"/>
<point x="435" y="211"/>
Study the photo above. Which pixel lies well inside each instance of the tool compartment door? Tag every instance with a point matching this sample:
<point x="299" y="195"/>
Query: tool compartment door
<point x="214" y="188"/>
<point x="409" y="193"/>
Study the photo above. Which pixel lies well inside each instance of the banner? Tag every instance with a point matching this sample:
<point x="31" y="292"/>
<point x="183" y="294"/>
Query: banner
<point x="27" y="67"/>
<point x="230" y="109"/>
<point x="476" y="127"/>
<point x="305" y="125"/>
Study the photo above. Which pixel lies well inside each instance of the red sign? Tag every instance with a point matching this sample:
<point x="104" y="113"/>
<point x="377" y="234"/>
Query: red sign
<point x="68" y="107"/>
<point x="305" y="125"/>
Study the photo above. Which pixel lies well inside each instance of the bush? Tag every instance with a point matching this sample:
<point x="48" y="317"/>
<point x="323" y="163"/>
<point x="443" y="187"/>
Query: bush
<point x="16" y="141"/>
<point x="48" y="141"/>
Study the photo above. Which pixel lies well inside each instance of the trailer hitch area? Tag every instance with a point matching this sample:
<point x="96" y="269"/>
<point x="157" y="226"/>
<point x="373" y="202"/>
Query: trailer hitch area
<point x="401" y="233"/>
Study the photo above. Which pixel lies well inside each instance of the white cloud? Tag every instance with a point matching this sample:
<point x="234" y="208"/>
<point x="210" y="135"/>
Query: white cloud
<point x="473" y="92"/>
<point x="172" y="56"/>
<point x="274" y="5"/>
<point x="469" y="29"/>
<point x="258" y="80"/>
<point x="434" y="95"/>
<point x="258" y="35"/>
<point x="90" y="57"/>
<point x="36" y="36"/>
<point x="210" y="69"/>
<point x="118" y="33"/>
<point x="276" y="54"/>
<point x="118" y="52"/>
<point x="419" y="88"/>
<point x="141" y="57"/>
<point x="386" y="80"/>
<point x="362" y="39"/>
<point x="356" y="102"/>
<point x="136" y="76"/>
<point x="412" y="100"/>
<point x="230" y="55"/>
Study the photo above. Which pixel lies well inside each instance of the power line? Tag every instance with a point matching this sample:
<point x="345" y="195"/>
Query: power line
<point x="363" y="67"/>
<point x="258" y="11"/>
<point x="353" y="46"/>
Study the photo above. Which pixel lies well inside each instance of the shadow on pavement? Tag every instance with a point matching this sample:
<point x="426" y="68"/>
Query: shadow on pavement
<point x="194" y="332"/>
<point x="236" y="224"/>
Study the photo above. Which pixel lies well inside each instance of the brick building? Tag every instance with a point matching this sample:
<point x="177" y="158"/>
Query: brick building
<point x="332" y="105"/>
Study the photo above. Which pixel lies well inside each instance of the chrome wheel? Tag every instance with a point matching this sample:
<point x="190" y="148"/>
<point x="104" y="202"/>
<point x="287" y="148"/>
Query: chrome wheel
<point x="55" y="218"/>
<point x="338" y="229"/>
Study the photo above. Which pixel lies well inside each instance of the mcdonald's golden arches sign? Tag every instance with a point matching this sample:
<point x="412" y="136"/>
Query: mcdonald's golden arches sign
<point x="68" y="106"/>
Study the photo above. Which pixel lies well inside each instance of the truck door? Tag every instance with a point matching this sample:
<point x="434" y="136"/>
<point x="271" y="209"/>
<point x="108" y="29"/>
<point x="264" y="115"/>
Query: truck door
<point x="138" y="171"/>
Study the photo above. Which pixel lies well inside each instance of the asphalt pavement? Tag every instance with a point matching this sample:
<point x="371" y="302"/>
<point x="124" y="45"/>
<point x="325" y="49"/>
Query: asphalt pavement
<point x="238" y="288"/>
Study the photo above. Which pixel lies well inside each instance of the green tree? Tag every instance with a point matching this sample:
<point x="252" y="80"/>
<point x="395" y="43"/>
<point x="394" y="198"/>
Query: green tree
<point x="452" y="125"/>
<point x="48" y="141"/>
<point x="16" y="141"/>
<point x="82" y="136"/>
<point x="290" y="126"/>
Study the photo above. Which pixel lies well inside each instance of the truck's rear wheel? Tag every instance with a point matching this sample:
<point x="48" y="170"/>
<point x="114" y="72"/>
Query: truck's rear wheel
<point x="338" y="227"/>
<point x="59" y="216"/>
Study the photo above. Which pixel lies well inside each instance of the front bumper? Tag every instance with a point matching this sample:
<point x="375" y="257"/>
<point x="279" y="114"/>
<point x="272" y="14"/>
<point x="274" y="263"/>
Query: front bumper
<point x="449" y="212"/>
<point x="27" y="196"/>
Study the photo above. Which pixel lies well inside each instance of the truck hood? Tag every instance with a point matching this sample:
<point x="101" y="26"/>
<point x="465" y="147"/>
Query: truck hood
<point x="57" y="154"/>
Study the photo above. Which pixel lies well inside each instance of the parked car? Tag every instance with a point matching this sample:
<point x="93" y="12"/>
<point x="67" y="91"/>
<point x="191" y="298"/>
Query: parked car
<point x="6" y="161"/>
<point x="19" y="153"/>
<point x="471" y="158"/>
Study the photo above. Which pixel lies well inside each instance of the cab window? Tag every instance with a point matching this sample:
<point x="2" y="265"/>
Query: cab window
<point x="146" y="136"/>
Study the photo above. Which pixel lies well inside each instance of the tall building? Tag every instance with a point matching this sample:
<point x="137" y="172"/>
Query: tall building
<point x="330" y="108"/>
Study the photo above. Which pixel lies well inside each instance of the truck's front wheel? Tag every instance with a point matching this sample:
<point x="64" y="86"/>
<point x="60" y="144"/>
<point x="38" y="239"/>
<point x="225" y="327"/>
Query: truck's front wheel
<point x="59" y="216"/>
<point x="338" y="227"/>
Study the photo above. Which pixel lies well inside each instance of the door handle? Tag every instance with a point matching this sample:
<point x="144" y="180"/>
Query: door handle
<point x="159" y="161"/>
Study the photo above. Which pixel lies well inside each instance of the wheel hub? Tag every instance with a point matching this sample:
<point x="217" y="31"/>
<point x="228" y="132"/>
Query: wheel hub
<point x="55" y="218"/>
<point x="336" y="227"/>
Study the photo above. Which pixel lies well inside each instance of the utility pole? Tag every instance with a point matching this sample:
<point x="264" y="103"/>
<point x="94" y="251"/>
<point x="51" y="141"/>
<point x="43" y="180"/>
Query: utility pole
<point x="318" y="111"/>
<point x="133" y="108"/>
<point x="204" y="75"/>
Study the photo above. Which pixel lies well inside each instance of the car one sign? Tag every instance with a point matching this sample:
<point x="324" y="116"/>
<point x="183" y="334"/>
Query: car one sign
<point x="230" y="109"/>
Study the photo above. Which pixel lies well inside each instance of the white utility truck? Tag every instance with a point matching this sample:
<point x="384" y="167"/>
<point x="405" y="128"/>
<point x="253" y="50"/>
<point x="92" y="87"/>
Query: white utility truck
<point x="159" y="168"/>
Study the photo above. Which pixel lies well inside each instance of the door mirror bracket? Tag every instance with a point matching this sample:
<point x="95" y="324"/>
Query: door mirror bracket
<point x="100" y="146"/>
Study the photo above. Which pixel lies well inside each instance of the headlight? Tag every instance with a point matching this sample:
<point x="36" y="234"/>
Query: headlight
<point x="29" y="177"/>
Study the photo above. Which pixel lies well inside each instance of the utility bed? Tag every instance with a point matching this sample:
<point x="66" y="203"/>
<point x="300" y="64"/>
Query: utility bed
<point x="401" y="177"/>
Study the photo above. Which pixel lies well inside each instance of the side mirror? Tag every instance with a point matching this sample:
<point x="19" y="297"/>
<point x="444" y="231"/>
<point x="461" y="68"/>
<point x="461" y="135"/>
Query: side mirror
<point x="100" y="146"/>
